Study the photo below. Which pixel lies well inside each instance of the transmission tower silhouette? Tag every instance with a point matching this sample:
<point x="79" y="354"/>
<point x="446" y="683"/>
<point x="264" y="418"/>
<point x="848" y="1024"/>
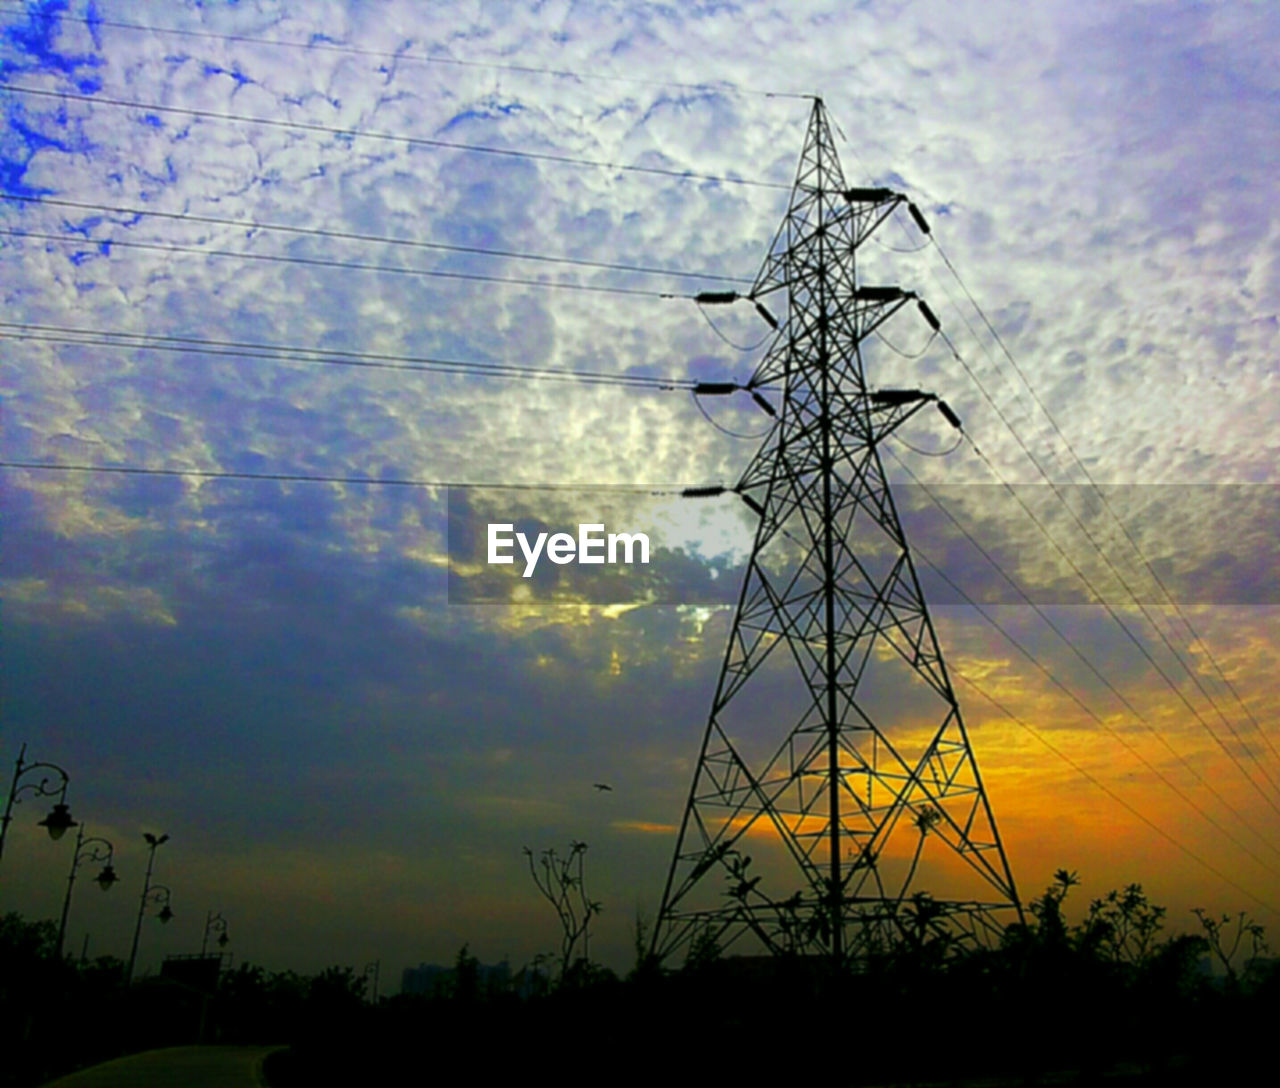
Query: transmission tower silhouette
<point x="836" y="773"/>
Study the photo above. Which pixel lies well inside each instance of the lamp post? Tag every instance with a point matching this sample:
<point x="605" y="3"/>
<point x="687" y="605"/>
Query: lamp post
<point x="161" y="893"/>
<point x="59" y="819"/>
<point x="87" y="850"/>
<point x="214" y="923"/>
<point x="161" y="896"/>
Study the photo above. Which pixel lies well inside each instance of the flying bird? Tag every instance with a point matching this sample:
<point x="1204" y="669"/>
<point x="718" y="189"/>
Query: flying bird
<point x="603" y="786"/>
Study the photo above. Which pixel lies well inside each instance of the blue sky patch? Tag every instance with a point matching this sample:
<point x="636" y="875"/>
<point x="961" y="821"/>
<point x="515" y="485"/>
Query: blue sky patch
<point x="37" y="41"/>
<point x="20" y="142"/>
<point x="486" y="113"/>
<point x="216" y="70"/>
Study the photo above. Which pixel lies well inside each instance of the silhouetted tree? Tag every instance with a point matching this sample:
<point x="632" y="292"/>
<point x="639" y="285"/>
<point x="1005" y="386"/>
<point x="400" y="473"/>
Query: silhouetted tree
<point x="466" y="976"/>
<point x="1224" y="942"/>
<point x="562" y="882"/>
<point x="647" y="965"/>
<point x="1122" y="927"/>
<point x="926" y="819"/>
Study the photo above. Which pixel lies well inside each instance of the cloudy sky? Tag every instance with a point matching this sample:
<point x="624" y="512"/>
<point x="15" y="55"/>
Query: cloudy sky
<point x="272" y="671"/>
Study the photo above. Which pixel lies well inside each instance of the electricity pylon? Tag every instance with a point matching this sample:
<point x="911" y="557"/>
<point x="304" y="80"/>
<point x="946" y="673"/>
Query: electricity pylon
<point x="835" y="752"/>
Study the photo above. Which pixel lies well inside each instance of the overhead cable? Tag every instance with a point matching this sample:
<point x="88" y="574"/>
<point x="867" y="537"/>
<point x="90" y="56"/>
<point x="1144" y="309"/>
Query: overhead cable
<point x="1129" y="537"/>
<point x="322" y="262"/>
<point x="398" y="56"/>
<point x="302" y="477"/>
<point x="369" y="134"/>
<point x="74" y="335"/>
<point x="1168" y="680"/>
<point x="1116" y="736"/>
<point x="318" y="232"/>
<point x="1113" y="795"/>
<point x="925" y="229"/>
<point x="1079" y="654"/>
<point x="1123" y="582"/>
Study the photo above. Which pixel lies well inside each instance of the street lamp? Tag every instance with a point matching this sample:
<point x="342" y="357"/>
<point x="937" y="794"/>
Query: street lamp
<point x="59" y="819"/>
<point x="87" y="850"/>
<point x="161" y="895"/>
<point x="214" y="923"/>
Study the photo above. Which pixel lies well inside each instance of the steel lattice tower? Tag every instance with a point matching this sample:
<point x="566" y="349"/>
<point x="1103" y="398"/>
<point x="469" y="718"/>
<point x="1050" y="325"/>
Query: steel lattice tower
<point x="835" y="752"/>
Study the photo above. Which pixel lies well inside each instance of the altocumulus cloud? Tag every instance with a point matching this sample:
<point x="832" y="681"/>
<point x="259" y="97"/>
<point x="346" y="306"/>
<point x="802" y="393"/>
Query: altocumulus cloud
<point x="271" y="670"/>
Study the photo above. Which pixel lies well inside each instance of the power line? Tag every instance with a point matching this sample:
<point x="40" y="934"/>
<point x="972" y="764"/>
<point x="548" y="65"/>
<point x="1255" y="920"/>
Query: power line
<point x="412" y="141"/>
<point x="1110" y="510"/>
<point x="1173" y="786"/>
<point x="1106" y="505"/>
<point x="1040" y="469"/>
<point x="1112" y="794"/>
<point x="931" y="238"/>
<point x="1155" y="575"/>
<point x="902" y="352"/>
<point x="246" y="224"/>
<point x="733" y="344"/>
<point x="964" y="317"/>
<point x="72" y="335"/>
<point x="1121" y="624"/>
<point x="322" y="262"/>
<point x="334" y="47"/>
<point x="83" y="337"/>
<point x="1080" y="655"/>
<point x="376" y="481"/>
<point x="727" y="431"/>
<point x="1120" y="578"/>
<point x="930" y="453"/>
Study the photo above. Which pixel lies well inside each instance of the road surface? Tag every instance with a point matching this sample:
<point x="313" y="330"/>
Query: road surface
<point x="176" y="1067"/>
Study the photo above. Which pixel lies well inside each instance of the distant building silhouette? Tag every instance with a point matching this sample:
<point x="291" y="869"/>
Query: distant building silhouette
<point x="432" y="980"/>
